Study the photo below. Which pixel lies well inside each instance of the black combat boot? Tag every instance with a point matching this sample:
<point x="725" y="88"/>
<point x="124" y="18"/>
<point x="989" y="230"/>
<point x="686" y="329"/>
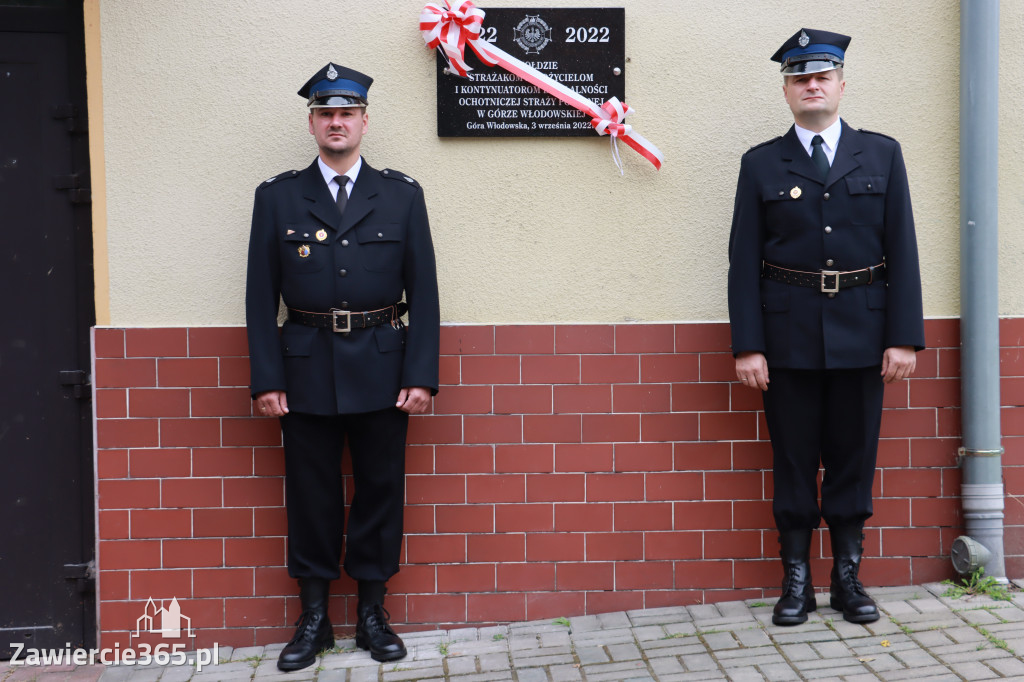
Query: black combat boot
<point x="797" y="598"/>
<point x="372" y="630"/>
<point x="847" y="594"/>
<point x="314" y="633"/>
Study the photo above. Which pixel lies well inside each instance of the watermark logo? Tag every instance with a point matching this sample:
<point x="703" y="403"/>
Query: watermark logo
<point x="165" y="620"/>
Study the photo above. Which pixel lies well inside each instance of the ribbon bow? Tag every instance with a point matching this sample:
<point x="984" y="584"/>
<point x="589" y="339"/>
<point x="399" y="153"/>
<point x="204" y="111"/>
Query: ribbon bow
<point x="451" y="28"/>
<point x="458" y="23"/>
<point x="611" y="125"/>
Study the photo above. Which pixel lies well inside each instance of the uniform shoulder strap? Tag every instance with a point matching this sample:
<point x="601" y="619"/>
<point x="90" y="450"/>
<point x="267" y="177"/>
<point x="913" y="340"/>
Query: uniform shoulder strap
<point x="287" y="175"/>
<point x="392" y="174"/>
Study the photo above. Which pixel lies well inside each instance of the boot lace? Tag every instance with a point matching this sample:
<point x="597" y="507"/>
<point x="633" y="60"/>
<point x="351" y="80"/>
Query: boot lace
<point x="308" y="625"/>
<point x="376" y="620"/>
<point x="848" y="577"/>
<point x="793" y="580"/>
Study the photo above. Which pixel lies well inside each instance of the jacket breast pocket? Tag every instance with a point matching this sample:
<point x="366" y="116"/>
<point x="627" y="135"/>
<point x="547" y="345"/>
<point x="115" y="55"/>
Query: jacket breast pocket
<point x="302" y="252"/>
<point x="784" y="206"/>
<point x="867" y="199"/>
<point x="381" y="246"/>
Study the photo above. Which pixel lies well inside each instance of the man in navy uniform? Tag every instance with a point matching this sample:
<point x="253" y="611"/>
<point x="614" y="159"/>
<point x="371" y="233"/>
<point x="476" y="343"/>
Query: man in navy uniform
<point x="341" y="242"/>
<point x="825" y="309"/>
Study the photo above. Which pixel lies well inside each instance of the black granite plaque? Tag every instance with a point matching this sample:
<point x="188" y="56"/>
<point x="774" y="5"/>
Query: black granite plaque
<point x="583" y="48"/>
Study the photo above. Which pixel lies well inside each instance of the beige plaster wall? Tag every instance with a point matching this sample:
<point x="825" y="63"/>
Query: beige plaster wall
<point x="199" y="106"/>
<point x="1011" y="159"/>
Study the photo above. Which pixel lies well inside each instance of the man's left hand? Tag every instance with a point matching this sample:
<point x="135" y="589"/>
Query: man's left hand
<point x="413" y="400"/>
<point x="898" y="362"/>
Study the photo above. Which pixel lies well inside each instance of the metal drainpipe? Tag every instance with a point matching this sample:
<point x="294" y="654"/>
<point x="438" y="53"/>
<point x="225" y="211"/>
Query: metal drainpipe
<point x="981" y="454"/>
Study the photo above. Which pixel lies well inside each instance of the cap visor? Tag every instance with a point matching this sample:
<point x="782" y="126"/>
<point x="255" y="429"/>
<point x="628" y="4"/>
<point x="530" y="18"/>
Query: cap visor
<point x="336" y="102"/>
<point x="814" y="66"/>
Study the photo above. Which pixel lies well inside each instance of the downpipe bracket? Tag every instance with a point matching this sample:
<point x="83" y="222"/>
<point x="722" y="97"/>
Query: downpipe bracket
<point x="962" y="453"/>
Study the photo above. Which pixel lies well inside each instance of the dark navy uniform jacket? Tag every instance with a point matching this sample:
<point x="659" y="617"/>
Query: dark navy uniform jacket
<point x="859" y="217"/>
<point x="380" y="249"/>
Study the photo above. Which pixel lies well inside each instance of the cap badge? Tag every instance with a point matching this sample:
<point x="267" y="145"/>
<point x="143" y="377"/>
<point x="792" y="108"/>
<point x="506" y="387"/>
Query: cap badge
<point x="304" y="251"/>
<point x="795" y="192"/>
<point x="321" y="235"/>
<point x="332" y="73"/>
<point x="804" y="41"/>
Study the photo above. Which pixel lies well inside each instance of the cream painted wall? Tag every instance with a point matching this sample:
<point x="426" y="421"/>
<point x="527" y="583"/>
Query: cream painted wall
<point x="1011" y="160"/>
<point x="199" y="106"/>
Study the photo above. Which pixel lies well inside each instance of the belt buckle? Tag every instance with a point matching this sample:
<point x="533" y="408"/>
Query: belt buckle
<point x="829" y="273"/>
<point x="334" y="320"/>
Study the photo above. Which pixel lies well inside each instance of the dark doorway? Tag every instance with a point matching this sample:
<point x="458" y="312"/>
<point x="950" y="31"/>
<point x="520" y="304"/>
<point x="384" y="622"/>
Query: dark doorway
<point x="47" y="596"/>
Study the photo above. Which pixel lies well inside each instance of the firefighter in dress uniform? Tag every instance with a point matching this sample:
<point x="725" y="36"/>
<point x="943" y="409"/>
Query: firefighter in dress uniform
<point x="825" y="309"/>
<point x="342" y="243"/>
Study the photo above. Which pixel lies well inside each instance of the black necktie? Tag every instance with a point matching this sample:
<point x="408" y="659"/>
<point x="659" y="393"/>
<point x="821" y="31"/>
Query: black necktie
<point x="818" y="156"/>
<point x="342" y="192"/>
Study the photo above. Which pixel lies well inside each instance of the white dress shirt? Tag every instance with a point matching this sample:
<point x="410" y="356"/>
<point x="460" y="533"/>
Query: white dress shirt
<point x="330" y="174"/>
<point x="830" y="136"/>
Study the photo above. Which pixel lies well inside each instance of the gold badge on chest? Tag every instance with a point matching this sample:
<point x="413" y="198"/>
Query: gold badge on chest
<point x="304" y="251"/>
<point x="795" y="192"/>
<point x="321" y="235"/>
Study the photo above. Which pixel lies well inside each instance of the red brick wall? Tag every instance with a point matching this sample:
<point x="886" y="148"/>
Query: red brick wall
<point x="565" y="469"/>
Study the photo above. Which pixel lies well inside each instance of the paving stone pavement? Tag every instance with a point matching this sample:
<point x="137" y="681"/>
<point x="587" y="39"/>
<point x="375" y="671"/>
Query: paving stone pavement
<point x="922" y="635"/>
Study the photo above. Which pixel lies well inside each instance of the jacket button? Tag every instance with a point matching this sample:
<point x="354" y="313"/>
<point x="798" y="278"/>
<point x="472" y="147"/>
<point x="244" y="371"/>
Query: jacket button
<point x="344" y="242"/>
<point x="869" y="185"/>
<point x="830" y="262"/>
<point x="343" y="272"/>
<point x="828" y="230"/>
<point x="831" y="295"/>
<point x="344" y="305"/>
<point x="826" y="197"/>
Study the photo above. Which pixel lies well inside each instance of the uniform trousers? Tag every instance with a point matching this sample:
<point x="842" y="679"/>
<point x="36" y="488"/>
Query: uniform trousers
<point x="315" y="493"/>
<point x="831" y="417"/>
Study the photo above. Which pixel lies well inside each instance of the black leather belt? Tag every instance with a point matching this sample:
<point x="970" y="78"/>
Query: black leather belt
<point x="345" y="321"/>
<point x="827" y="281"/>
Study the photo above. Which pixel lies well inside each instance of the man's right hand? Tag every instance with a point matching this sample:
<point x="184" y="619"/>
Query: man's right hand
<point x="271" y="404"/>
<point x="752" y="370"/>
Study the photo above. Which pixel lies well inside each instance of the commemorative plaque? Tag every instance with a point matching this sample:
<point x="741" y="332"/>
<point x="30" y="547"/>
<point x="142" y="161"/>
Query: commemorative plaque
<point x="583" y="49"/>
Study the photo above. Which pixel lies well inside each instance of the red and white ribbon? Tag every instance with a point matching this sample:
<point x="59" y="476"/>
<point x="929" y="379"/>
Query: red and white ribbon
<point x="456" y="24"/>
